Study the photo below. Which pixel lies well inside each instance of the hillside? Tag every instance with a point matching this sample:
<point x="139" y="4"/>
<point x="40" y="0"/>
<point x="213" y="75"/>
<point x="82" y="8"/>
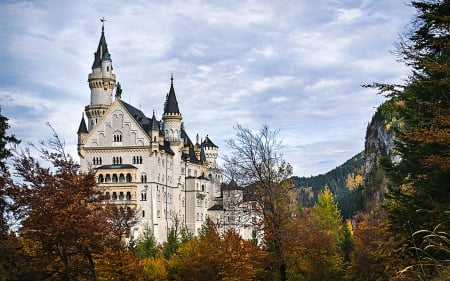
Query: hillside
<point x="360" y="182"/>
<point x="345" y="181"/>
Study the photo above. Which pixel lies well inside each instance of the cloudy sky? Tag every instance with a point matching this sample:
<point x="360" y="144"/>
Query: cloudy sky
<point x="296" y="65"/>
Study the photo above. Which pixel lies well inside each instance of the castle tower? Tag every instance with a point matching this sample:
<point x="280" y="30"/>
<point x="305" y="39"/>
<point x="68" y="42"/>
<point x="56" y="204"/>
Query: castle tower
<point x="211" y="151"/>
<point x="101" y="82"/>
<point x="172" y="116"/>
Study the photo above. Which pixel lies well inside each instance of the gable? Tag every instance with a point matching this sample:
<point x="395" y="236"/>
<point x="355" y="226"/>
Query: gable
<point x="117" y="128"/>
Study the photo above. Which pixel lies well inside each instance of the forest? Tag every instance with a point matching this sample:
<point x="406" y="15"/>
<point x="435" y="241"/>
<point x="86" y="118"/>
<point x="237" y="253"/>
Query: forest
<point x="55" y="225"/>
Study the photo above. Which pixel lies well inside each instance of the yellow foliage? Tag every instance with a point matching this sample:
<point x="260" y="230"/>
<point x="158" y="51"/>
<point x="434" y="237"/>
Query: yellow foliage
<point x="154" y="268"/>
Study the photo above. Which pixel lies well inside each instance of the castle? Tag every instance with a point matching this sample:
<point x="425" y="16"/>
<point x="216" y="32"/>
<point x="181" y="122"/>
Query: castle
<point x="148" y="165"/>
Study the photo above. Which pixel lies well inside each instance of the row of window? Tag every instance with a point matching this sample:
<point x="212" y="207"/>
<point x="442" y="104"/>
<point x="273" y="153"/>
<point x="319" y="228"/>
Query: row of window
<point x="114" y="178"/>
<point x="118" y="196"/>
<point x="117" y="160"/>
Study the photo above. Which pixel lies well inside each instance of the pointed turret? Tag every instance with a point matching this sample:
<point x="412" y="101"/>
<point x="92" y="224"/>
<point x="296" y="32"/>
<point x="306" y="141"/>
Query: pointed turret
<point x="172" y="117"/>
<point x="154" y="133"/>
<point x="82" y="129"/>
<point x="171" y="104"/>
<point x="101" y="82"/>
<point x="102" y="51"/>
<point x="82" y="133"/>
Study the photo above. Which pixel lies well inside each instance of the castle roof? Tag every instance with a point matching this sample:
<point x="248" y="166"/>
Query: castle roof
<point x="82" y="128"/>
<point x="120" y="166"/>
<point x="208" y="143"/>
<point x="102" y="51"/>
<point x="171" y="104"/>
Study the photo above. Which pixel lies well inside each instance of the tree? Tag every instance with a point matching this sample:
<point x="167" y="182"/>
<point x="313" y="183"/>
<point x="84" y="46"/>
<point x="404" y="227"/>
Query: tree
<point x="314" y="250"/>
<point x="419" y="190"/>
<point x="65" y="229"/>
<point x="257" y="165"/>
<point x="146" y="244"/>
<point x="215" y="256"/>
<point x="374" y="256"/>
<point x="8" y="243"/>
<point x="59" y="209"/>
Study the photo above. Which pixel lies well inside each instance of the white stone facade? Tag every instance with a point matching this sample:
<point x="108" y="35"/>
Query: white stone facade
<point x="149" y="165"/>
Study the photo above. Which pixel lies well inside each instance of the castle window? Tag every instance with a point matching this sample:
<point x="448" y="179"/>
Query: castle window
<point x="121" y="178"/>
<point x="107" y="69"/>
<point x="107" y="196"/>
<point x="114" y="196"/>
<point x="143" y="213"/>
<point x="117" y="160"/>
<point x="114" y="178"/>
<point x="100" y="178"/>
<point x="143" y="178"/>
<point x="128" y="177"/>
<point x="117" y="137"/>
<point x="128" y="196"/>
<point x="121" y="196"/>
<point x="158" y="213"/>
<point x="108" y="178"/>
<point x="143" y="196"/>
<point x="137" y="159"/>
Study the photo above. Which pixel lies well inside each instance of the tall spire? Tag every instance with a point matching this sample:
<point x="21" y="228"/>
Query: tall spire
<point x="171" y="105"/>
<point x="102" y="49"/>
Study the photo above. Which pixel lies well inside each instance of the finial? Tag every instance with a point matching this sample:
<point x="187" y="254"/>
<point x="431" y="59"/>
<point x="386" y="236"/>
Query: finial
<point x="171" y="79"/>
<point x="103" y="23"/>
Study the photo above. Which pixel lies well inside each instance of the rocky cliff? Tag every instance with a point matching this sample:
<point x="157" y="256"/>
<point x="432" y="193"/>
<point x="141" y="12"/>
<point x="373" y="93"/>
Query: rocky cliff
<point x="379" y="143"/>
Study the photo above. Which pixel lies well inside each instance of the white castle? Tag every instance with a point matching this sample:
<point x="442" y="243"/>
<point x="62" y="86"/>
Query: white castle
<point x="150" y="165"/>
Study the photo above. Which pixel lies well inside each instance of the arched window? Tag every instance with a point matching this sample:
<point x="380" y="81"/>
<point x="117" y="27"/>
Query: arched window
<point x="114" y="178"/>
<point x="143" y="213"/>
<point x="128" y="196"/>
<point x="107" y="196"/>
<point x="128" y="177"/>
<point x="121" y="178"/>
<point x="121" y="196"/>
<point x="117" y="136"/>
<point x="108" y="178"/>
<point x="114" y="196"/>
<point x="143" y="196"/>
<point x="100" y="178"/>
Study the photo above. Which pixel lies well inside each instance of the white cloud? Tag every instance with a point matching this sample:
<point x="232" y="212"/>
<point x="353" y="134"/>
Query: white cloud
<point x="296" y="66"/>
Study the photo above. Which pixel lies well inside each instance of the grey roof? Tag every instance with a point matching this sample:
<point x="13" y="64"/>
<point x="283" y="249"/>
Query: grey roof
<point x="216" y="207"/>
<point x="155" y="125"/>
<point x="171" y="104"/>
<point x="82" y="128"/>
<point x="208" y="143"/>
<point x="102" y="51"/>
<point x="120" y="166"/>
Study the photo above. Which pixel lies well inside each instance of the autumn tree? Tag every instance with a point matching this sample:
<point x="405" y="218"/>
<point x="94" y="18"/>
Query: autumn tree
<point x="374" y="256"/>
<point x="419" y="192"/>
<point x="314" y="249"/>
<point x="215" y="256"/>
<point x="66" y="230"/>
<point x="256" y="164"/>
<point x="59" y="209"/>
